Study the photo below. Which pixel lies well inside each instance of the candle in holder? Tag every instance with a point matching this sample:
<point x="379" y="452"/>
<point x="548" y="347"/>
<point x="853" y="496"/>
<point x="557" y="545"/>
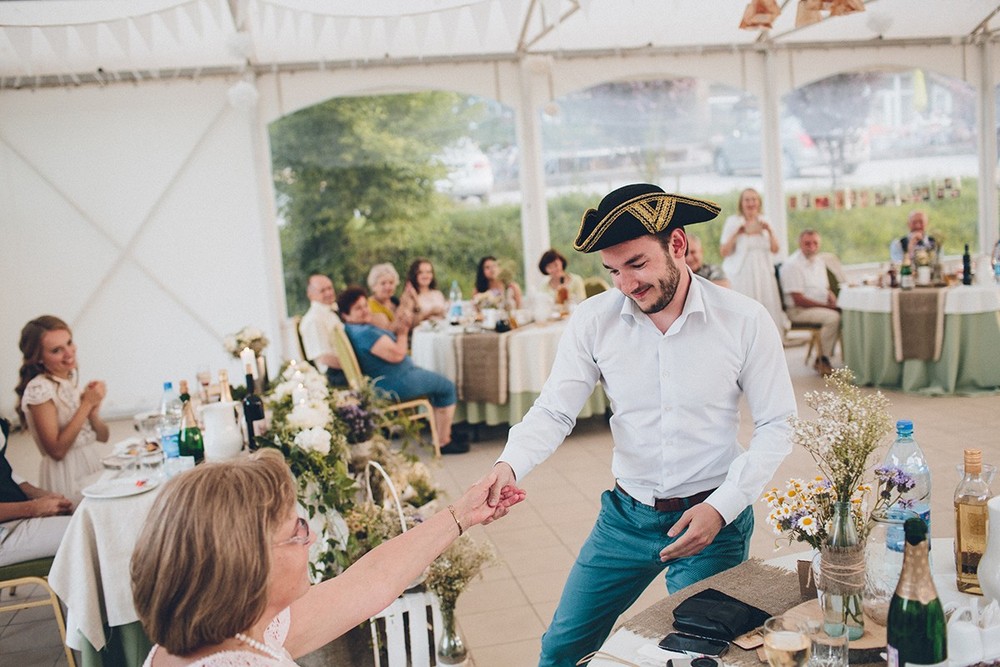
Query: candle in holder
<point x="300" y="394"/>
<point x="249" y="361"/>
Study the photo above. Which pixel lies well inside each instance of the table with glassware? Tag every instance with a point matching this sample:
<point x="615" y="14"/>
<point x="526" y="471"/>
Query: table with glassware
<point x="91" y="569"/>
<point x="635" y="641"/>
<point x="966" y="361"/>
<point x="515" y="366"/>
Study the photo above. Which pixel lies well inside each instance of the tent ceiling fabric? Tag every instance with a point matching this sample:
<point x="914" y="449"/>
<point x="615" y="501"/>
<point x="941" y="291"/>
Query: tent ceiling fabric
<point x="57" y="42"/>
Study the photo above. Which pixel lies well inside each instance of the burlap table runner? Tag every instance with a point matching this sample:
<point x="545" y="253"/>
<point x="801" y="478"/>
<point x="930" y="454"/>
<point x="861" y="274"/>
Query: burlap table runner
<point x="918" y="323"/>
<point x="775" y="590"/>
<point x="482" y="367"/>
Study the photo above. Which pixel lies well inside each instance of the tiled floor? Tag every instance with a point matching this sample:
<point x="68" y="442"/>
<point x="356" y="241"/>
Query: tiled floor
<point x="504" y="615"/>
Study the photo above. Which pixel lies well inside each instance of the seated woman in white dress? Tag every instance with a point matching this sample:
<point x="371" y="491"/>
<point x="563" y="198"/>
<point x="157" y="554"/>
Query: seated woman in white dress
<point x="553" y="265"/>
<point x="32" y="520"/>
<point x="218" y="581"/>
<point x="64" y="421"/>
<point x="421" y="295"/>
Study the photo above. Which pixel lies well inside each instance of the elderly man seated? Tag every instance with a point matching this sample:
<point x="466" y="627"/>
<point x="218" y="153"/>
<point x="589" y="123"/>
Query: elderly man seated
<point x="695" y="260"/>
<point x="808" y="298"/>
<point x="916" y="239"/>
<point x="316" y="328"/>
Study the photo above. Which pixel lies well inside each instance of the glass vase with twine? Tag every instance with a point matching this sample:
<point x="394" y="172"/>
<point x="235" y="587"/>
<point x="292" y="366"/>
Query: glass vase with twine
<point x="841" y="583"/>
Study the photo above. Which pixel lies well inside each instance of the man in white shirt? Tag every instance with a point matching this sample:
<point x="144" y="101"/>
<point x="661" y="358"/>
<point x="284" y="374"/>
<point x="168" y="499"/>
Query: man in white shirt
<point x="316" y="329"/>
<point x="675" y="354"/>
<point x="808" y="297"/>
<point x="916" y="239"/>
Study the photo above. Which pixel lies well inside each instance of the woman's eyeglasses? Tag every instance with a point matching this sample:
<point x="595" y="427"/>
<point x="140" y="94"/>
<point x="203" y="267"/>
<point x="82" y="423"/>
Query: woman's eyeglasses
<point x="301" y="535"/>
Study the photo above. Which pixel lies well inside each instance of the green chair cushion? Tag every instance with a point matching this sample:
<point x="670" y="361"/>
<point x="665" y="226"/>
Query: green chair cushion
<point x="30" y="568"/>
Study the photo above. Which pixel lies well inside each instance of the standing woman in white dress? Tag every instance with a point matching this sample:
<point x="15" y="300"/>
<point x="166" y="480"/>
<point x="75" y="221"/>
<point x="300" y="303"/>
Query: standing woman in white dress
<point x="748" y="245"/>
<point x="64" y="421"/>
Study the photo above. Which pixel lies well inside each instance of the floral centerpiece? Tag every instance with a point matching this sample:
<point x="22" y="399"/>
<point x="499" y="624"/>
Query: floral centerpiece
<point x="487" y="300"/>
<point x="316" y="428"/>
<point x="833" y="512"/>
<point x="248" y="336"/>
<point x="447" y="577"/>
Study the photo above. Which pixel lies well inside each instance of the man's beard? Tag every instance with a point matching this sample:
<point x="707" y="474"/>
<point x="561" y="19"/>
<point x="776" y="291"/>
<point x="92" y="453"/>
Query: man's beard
<point x="667" y="288"/>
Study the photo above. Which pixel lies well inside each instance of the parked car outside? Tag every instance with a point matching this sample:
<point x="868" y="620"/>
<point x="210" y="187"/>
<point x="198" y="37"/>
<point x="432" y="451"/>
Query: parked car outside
<point x="740" y="150"/>
<point x="469" y="173"/>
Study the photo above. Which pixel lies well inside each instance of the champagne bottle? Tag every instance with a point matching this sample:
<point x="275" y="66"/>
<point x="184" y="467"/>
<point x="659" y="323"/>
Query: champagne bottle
<point x="253" y="409"/>
<point x="916" y="633"/>
<point x="190" y="440"/>
<point x="966" y="266"/>
<point x="225" y="392"/>
<point x="971" y="512"/>
<point x="906" y="280"/>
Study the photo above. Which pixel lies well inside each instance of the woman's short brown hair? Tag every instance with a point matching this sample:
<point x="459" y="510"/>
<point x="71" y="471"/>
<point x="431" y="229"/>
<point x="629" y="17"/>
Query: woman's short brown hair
<point x="550" y="256"/>
<point x="201" y="566"/>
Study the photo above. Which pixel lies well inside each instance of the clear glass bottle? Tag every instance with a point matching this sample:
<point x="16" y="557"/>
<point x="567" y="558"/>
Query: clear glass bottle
<point x="916" y="633"/>
<point x="842" y="576"/>
<point x="971" y="512"/>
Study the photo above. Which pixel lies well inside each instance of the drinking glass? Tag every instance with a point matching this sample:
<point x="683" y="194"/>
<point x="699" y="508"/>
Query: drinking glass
<point x="826" y="650"/>
<point x="786" y="641"/>
<point x="147" y="424"/>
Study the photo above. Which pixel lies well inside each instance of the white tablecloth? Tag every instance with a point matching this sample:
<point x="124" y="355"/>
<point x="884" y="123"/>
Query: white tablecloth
<point x="530" y="354"/>
<point x="625" y="644"/>
<point x="531" y="351"/>
<point x="959" y="300"/>
<point x="91" y="569"/>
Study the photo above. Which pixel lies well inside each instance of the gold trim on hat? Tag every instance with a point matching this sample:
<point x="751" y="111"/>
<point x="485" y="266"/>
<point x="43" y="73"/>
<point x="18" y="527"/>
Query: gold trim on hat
<point x="654" y="211"/>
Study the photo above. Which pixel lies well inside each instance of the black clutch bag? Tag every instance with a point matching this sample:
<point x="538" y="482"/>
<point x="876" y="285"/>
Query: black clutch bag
<point x="714" y="614"/>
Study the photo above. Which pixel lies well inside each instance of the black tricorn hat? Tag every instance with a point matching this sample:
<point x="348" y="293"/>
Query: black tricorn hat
<point x="634" y="210"/>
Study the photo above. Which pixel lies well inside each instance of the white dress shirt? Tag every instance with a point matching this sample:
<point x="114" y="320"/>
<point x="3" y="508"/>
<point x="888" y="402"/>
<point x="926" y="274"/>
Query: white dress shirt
<point x="674" y="396"/>
<point x="316" y="329"/>
<point x="807" y="276"/>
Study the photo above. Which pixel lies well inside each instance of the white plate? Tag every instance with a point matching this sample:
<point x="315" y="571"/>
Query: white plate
<point x="120" y="488"/>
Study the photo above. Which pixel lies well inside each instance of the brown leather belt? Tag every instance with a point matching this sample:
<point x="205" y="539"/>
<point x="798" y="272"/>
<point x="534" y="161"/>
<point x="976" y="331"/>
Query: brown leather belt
<point x="673" y="504"/>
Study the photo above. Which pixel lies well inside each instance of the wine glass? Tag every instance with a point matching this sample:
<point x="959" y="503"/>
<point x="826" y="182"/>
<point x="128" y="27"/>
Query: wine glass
<point x="204" y="376"/>
<point x="786" y="641"/>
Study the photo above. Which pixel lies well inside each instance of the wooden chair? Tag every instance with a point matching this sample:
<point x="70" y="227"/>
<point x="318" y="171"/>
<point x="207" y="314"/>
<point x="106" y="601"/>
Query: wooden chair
<point x="34" y="572"/>
<point x="418" y="408"/>
<point x="407" y="623"/>
<point x="815" y="342"/>
<point x="595" y="285"/>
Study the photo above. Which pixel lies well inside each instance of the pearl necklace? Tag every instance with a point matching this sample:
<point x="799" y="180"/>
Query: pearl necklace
<point x="260" y="646"/>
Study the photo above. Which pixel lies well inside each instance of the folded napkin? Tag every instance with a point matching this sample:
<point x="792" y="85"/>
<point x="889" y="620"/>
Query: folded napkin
<point x="482" y="367"/>
<point x="918" y="323"/>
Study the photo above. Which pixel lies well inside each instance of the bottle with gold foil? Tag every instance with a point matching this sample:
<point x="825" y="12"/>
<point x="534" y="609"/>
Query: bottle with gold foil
<point x="916" y="633"/>
<point x="225" y="392"/>
<point x="971" y="496"/>
<point x="189" y="440"/>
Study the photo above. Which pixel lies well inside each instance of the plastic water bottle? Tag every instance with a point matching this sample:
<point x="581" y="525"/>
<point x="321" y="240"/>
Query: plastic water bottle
<point x="906" y="455"/>
<point x="996" y="263"/>
<point x="455" y="298"/>
<point x="171" y="410"/>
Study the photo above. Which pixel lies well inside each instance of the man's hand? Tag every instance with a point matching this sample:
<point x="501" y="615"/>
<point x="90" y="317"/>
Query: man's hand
<point x="702" y="523"/>
<point x="504" y="491"/>
<point x="51" y="506"/>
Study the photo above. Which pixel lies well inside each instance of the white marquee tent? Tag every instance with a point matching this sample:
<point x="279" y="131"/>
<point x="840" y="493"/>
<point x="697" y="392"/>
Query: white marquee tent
<point x="136" y="199"/>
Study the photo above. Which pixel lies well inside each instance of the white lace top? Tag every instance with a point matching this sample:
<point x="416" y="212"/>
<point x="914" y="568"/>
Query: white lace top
<point x="82" y="459"/>
<point x="274" y="637"/>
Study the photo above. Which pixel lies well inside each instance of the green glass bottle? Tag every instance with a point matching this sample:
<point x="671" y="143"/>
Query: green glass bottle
<point x="916" y="632"/>
<point x="189" y="439"/>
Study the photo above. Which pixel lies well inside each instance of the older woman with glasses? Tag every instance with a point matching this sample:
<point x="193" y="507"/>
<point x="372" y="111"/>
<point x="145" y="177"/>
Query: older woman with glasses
<point x="221" y="580"/>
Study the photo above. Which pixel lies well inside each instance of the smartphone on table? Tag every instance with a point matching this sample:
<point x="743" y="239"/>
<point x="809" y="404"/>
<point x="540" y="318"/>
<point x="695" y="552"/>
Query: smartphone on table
<point x="693" y="645"/>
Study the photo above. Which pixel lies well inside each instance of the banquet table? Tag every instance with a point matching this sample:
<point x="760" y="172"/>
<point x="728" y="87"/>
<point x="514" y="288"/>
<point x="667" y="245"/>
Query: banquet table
<point x="528" y="353"/>
<point x="968" y="363"/>
<point x="91" y="576"/>
<point x="632" y="640"/>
